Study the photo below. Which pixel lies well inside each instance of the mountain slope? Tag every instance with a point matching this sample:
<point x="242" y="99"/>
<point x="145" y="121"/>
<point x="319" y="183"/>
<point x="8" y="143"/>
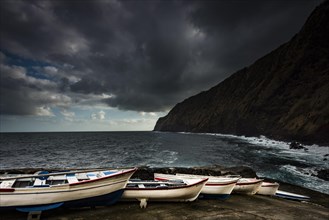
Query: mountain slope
<point x="284" y="95"/>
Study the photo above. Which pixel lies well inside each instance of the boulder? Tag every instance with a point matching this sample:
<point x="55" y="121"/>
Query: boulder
<point x="296" y="145"/>
<point x="323" y="174"/>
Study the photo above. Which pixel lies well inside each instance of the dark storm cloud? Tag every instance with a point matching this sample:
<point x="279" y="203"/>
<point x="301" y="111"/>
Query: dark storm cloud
<point x="245" y="30"/>
<point x="145" y="55"/>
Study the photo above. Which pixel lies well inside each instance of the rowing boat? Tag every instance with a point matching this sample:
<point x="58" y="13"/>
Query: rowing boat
<point x="292" y="196"/>
<point x="163" y="191"/>
<point x="44" y="191"/>
<point x="215" y="188"/>
<point x="248" y="186"/>
<point x="268" y="188"/>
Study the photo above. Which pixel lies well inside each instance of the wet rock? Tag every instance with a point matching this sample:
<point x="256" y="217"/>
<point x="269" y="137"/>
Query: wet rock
<point x="323" y="174"/>
<point x="296" y="145"/>
<point x="243" y="171"/>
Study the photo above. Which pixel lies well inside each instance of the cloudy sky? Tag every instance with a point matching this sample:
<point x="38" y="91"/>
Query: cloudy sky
<point x="120" y="65"/>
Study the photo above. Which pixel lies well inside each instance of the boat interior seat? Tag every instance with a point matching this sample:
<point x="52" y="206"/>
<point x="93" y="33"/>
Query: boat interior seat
<point x="106" y="173"/>
<point x="57" y="177"/>
<point x="82" y="176"/>
<point x="91" y="176"/>
<point x="39" y="182"/>
<point x="71" y="178"/>
<point x="141" y="186"/>
<point x="7" y="183"/>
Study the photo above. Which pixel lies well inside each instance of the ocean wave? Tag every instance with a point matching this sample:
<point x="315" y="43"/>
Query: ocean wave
<point x="271" y="143"/>
<point x="305" y="177"/>
<point x="159" y="159"/>
<point x="272" y="158"/>
<point x="258" y="140"/>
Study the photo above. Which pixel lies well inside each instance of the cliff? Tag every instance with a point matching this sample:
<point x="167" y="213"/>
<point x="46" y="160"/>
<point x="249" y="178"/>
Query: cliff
<point x="283" y="95"/>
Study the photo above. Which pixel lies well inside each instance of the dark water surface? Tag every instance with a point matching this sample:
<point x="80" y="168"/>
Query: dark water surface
<point x="268" y="158"/>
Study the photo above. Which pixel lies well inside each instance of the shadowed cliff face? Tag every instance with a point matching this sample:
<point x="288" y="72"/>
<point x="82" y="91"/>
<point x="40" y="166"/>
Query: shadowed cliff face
<point x="283" y="95"/>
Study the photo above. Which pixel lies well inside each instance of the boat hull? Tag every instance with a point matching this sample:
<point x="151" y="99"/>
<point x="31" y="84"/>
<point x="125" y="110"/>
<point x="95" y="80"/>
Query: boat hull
<point x="248" y="187"/>
<point x="175" y="194"/>
<point x="214" y="196"/>
<point x="222" y="190"/>
<point x="268" y="189"/>
<point x="215" y="188"/>
<point x="103" y="200"/>
<point x="292" y="196"/>
<point x="74" y="194"/>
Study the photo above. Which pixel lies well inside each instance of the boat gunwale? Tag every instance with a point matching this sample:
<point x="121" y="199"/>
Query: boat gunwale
<point x="57" y="191"/>
<point x="102" y="178"/>
<point x="249" y="183"/>
<point x="65" y="187"/>
<point x="271" y="185"/>
<point x="28" y="176"/>
<point x="207" y="183"/>
<point x="221" y="184"/>
<point x="168" y="188"/>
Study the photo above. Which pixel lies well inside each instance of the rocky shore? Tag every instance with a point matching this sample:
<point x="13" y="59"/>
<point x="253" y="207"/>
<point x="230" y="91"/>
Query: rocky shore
<point x="235" y="207"/>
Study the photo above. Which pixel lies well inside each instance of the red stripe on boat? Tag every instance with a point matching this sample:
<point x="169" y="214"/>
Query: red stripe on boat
<point x="7" y="190"/>
<point x="249" y="183"/>
<point x="220" y="184"/>
<point x="270" y="185"/>
<point x="158" y="178"/>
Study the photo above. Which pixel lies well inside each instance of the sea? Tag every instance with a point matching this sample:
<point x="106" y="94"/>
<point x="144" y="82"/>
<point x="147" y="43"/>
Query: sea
<point x="269" y="158"/>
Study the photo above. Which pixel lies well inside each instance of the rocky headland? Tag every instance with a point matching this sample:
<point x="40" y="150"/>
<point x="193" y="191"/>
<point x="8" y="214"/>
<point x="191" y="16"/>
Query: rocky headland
<point x="283" y="95"/>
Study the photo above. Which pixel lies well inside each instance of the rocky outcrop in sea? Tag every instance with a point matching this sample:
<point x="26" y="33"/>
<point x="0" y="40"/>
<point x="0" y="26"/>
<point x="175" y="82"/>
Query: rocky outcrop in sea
<point x="323" y="174"/>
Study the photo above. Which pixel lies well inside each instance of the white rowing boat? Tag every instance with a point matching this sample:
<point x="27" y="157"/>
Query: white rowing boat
<point x="216" y="187"/>
<point x="174" y="191"/>
<point x="248" y="186"/>
<point x="75" y="188"/>
<point x="293" y="196"/>
<point x="268" y="188"/>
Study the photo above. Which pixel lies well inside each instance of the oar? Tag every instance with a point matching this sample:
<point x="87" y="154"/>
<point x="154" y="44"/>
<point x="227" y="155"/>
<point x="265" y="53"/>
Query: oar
<point x="55" y="174"/>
